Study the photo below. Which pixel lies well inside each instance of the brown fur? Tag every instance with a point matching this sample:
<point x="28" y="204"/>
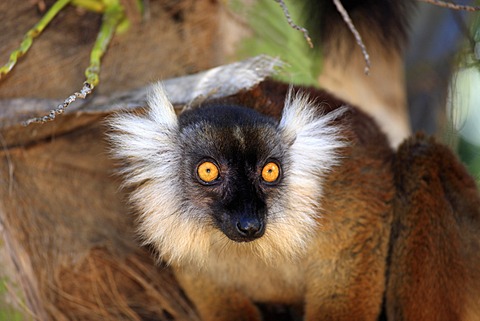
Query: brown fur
<point x="435" y="260"/>
<point x="429" y="270"/>
<point x="342" y="276"/>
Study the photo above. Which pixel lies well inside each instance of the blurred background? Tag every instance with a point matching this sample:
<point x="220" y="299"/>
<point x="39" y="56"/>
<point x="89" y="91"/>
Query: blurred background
<point x="169" y="38"/>
<point x="441" y="68"/>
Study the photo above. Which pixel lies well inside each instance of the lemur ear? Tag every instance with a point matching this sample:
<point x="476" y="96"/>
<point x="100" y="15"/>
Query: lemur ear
<point x="314" y="142"/>
<point x="145" y="140"/>
<point x="161" y="109"/>
<point x="310" y="133"/>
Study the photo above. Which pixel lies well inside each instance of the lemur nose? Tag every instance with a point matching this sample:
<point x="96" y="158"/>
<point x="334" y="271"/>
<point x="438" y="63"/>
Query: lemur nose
<point x="250" y="227"/>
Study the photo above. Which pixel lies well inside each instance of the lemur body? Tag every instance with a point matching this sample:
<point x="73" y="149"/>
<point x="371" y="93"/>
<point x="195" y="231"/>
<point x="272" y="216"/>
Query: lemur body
<point x="316" y="235"/>
<point x="302" y="201"/>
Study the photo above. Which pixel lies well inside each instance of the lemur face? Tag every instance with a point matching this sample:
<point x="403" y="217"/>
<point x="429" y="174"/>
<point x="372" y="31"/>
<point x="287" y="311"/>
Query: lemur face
<point x="232" y="167"/>
<point x="223" y="176"/>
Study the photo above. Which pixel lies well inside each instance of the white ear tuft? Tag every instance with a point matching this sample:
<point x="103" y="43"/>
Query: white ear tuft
<point x="149" y="146"/>
<point x="314" y="142"/>
<point x="145" y="141"/>
<point x="161" y="109"/>
<point x="311" y="134"/>
<point x="301" y="117"/>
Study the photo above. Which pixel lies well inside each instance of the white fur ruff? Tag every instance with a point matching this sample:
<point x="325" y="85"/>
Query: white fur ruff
<point x="183" y="234"/>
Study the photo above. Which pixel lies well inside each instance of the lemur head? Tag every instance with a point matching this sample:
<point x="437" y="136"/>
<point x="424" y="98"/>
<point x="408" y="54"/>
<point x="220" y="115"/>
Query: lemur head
<point x="226" y="179"/>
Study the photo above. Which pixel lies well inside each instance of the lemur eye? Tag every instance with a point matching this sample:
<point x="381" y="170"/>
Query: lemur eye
<point x="207" y="172"/>
<point x="271" y="172"/>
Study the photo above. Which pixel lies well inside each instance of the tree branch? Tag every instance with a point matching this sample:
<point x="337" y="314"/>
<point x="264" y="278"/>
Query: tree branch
<point x="286" y="13"/>
<point x="450" y="5"/>
<point x="355" y="33"/>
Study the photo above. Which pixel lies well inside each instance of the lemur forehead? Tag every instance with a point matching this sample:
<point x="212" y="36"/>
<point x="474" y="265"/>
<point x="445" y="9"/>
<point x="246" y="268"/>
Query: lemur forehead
<point x="233" y="132"/>
<point x="224" y="116"/>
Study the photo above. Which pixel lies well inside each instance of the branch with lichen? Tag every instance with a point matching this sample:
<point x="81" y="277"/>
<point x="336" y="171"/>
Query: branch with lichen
<point x="113" y="17"/>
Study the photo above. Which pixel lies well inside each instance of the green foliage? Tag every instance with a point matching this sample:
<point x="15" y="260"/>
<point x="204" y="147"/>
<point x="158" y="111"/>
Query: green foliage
<point x="272" y="35"/>
<point x="470" y="155"/>
<point x="468" y="146"/>
<point x="7" y="312"/>
<point x="464" y="103"/>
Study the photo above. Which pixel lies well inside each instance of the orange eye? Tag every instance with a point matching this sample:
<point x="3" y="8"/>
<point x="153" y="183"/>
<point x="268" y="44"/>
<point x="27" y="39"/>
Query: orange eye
<point x="270" y="172"/>
<point x="207" y="172"/>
